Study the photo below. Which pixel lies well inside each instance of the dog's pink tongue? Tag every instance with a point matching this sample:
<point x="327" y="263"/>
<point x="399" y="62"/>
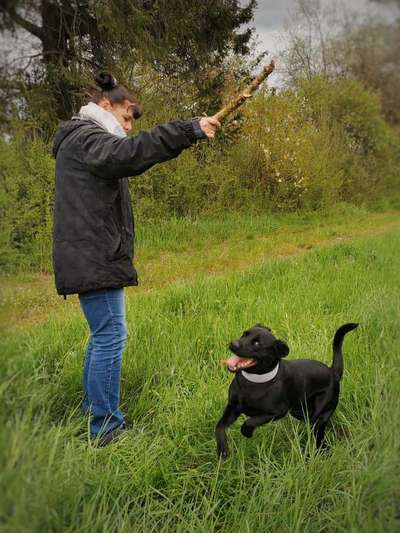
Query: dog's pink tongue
<point x="233" y="361"/>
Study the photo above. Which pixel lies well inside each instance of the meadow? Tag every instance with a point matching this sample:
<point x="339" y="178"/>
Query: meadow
<point x="303" y="277"/>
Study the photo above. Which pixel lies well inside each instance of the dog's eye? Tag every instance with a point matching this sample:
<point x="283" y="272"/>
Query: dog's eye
<point x="256" y="344"/>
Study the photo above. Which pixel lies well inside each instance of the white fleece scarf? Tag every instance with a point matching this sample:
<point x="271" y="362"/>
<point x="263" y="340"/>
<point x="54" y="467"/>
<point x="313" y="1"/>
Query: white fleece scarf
<point x="103" y="118"/>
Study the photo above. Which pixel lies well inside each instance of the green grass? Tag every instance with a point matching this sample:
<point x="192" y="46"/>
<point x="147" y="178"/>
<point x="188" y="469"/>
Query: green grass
<point x="198" y="234"/>
<point x="165" y="475"/>
<point x="181" y="250"/>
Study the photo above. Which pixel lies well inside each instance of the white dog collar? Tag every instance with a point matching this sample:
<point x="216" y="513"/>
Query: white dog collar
<point x="261" y="378"/>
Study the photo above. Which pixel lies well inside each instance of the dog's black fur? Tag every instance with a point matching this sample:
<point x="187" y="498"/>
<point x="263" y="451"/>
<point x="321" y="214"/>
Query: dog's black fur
<point x="300" y="386"/>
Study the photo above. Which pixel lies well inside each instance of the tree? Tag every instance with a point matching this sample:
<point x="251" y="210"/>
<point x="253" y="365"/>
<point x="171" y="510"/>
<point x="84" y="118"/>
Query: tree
<point x="371" y="54"/>
<point x="184" y="39"/>
<point x="335" y="44"/>
<point x="69" y="36"/>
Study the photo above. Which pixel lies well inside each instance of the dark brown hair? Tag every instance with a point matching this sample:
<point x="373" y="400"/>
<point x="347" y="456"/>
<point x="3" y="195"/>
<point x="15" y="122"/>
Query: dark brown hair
<point x="117" y="94"/>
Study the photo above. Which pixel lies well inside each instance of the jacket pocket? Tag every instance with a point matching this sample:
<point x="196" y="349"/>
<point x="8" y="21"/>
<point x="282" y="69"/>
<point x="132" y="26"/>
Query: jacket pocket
<point x="114" y="238"/>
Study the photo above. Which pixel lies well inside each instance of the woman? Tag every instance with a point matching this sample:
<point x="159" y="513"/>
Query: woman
<point x="94" y="228"/>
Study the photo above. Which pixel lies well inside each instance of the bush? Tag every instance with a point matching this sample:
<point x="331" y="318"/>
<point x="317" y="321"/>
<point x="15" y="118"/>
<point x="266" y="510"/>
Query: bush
<point x="322" y="143"/>
<point x="308" y="148"/>
<point x="26" y="204"/>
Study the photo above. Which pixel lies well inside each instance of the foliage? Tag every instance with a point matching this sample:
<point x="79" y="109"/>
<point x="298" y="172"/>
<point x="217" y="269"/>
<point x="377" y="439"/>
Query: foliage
<point x="330" y="40"/>
<point x="310" y="148"/>
<point x="184" y="41"/>
<point x="371" y="54"/>
<point x="322" y="143"/>
<point x="26" y="202"/>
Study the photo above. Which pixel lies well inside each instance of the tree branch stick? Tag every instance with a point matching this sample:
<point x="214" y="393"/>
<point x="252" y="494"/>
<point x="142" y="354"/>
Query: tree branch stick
<point x="247" y="93"/>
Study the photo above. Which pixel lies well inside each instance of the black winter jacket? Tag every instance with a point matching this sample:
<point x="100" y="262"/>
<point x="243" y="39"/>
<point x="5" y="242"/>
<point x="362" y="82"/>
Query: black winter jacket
<point x="93" y="220"/>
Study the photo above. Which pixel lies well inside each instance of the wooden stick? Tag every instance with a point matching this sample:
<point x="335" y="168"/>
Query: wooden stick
<point x="247" y="93"/>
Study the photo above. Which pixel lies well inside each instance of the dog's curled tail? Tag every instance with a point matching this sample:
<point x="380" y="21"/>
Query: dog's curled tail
<point x="337" y="365"/>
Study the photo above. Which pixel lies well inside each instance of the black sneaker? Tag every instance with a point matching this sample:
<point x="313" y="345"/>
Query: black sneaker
<point x="108" y="438"/>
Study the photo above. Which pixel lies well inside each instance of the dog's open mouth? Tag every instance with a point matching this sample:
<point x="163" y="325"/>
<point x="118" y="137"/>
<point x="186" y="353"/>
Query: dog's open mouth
<point x="235" y="363"/>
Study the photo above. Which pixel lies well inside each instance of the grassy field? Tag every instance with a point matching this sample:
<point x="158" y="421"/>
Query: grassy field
<point x="183" y="250"/>
<point x="164" y="475"/>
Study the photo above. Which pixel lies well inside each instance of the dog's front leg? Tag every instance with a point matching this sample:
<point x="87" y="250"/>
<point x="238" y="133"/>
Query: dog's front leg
<point x="253" y="422"/>
<point x="230" y="415"/>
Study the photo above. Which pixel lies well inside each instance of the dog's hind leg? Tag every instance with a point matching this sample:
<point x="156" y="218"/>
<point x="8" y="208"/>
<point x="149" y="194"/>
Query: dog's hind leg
<point x="323" y="402"/>
<point x="319" y="428"/>
<point x="230" y="415"/>
<point x="324" y="408"/>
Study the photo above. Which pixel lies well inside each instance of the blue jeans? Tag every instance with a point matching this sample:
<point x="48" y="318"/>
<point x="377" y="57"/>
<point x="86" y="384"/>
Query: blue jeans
<point x="104" y="311"/>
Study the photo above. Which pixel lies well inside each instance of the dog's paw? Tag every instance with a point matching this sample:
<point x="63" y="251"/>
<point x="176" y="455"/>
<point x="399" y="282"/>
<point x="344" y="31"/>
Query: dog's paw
<point x="222" y="453"/>
<point x="247" y="431"/>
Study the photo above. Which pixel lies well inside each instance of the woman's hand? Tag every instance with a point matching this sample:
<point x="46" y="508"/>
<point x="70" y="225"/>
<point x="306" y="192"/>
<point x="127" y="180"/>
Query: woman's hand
<point x="209" y="126"/>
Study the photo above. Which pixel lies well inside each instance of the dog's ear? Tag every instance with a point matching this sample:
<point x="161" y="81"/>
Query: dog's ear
<point x="262" y="326"/>
<point x="281" y="348"/>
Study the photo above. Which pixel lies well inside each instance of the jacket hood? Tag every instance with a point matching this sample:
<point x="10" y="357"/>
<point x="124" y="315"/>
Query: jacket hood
<point x="65" y="129"/>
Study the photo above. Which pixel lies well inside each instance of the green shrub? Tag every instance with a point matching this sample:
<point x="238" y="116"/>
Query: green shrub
<point x="26" y="204"/>
<point x="323" y="143"/>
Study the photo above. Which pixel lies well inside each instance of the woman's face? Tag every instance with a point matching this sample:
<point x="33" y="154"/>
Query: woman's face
<point x="122" y="112"/>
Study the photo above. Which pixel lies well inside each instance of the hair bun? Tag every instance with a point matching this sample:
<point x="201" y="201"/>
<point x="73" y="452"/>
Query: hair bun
<point x="106" y="81"/>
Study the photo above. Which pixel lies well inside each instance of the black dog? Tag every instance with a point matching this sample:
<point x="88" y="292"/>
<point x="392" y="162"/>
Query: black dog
<point x="265" y="388"/>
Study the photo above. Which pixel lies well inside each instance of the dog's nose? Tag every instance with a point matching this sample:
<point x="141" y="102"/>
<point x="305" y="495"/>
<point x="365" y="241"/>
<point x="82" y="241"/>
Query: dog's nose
<point x="234" y="345"/>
